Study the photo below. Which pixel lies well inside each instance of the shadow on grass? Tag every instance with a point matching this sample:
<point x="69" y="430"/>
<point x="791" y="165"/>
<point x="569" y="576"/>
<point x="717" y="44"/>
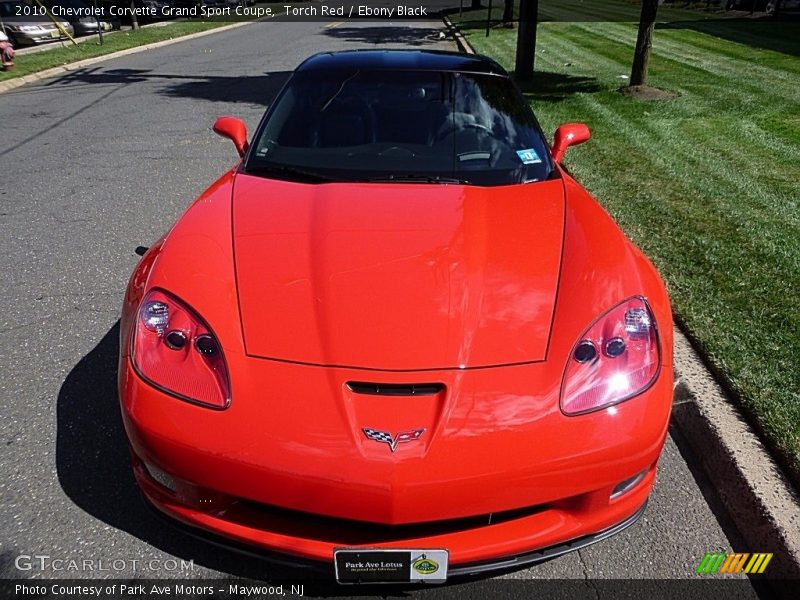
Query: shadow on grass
<point x="779" y="35"/>
<point x="555" y="87"/>
<point x="257" y="89"/>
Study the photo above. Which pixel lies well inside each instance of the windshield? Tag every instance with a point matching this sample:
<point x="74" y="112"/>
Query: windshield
<point x="389" y="125"/>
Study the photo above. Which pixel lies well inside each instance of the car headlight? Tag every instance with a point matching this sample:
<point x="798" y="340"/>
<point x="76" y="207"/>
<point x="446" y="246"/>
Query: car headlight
<point x="174" y="350"/>
<point x="617" y="358"/>
<point x="30" y="28"/>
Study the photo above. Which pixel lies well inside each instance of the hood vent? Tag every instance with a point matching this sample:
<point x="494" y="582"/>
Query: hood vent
<point x="395" y="389"/>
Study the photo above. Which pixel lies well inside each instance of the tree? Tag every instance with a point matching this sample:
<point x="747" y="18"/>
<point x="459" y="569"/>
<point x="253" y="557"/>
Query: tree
<point x="508" y="13"/>
<point x="134" y="20"/>
<point x="526" y="39"/>
<point x="644" y="42"/>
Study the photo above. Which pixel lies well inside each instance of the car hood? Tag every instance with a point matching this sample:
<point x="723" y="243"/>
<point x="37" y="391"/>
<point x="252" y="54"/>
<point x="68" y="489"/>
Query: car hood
<point x="397" y="276"/>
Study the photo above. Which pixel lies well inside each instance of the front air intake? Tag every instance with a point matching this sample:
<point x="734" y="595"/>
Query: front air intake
<point x="395" y="389"/>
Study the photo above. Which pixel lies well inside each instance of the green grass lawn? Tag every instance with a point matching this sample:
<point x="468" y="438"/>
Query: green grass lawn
<point x="25" y="64"/>
<point x="707" y="184"/>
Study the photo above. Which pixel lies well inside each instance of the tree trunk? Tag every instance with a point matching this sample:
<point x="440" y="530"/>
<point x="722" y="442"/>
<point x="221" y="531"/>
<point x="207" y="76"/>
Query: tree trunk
<point x="644" y="42"/>
<point x="134" y="20"/>
<point x="508" y="11"/>
<point x="526" y="39"/>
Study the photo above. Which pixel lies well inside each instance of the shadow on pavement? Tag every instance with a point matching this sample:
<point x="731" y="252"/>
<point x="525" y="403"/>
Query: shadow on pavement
<point x="407" y="36"/>
<point x="256" y="89"/>
<point x="259" y="89"/>
<point x="94" y="470"/>
<point x="100" y="75"/>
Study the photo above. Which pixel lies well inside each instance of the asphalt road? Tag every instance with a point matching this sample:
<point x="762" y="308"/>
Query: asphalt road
<point x="103" y="160"/>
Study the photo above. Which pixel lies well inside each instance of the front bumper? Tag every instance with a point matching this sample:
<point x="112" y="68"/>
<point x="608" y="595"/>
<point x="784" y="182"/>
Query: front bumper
<point x="532" y="480"/>
<point x="302" y="539"/>
<point x="318" y="569"/>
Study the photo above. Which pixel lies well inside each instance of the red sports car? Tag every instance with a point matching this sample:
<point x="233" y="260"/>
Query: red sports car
<point x="397" y="340"/>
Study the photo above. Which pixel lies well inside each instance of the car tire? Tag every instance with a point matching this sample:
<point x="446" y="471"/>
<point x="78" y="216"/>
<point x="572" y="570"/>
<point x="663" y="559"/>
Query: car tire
<point x="11" y="38"/>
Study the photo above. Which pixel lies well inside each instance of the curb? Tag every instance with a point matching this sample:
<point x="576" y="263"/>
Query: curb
<point x="757" y="495"/>
<point x="11" y="84"/>
<point x="463" y="45"/>
<point x="750" y="484"/>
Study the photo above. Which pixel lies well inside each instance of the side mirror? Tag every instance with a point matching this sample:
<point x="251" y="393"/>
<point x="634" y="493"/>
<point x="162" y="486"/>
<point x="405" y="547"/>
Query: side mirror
<point x="569" y="134"/>
<point x="235" y="130"/>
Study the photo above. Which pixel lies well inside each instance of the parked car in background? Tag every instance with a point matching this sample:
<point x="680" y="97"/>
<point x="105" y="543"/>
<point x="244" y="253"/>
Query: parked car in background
<point x="215" y="4"/>
<point x="157" y="6"/>
<point x="80" y="21"/>
<point x="199" y="3"/>
<point x="26" y="23"/>
<point x="208" y="3"/>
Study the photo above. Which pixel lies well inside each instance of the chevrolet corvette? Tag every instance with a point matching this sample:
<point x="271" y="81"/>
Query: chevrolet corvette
<point x="397" y="341"/>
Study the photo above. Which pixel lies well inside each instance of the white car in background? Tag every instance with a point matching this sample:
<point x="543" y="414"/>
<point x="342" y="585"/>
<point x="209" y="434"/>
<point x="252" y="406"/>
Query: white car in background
<point x="25" y="23"/>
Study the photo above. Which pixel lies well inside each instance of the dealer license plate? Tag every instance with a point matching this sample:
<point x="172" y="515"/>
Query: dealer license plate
<point x="390" y="566"/>
<point x="55" y="33"/>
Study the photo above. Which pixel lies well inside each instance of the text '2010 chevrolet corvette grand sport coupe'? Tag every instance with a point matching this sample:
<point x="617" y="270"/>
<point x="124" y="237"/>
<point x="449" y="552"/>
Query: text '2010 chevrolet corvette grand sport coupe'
<point x="397" y="340"/>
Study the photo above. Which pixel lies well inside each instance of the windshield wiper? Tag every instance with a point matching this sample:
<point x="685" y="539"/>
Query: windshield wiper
<point x="415" y="179"/>
<point x="288" y="172"/>
<point x="302" y="175"/>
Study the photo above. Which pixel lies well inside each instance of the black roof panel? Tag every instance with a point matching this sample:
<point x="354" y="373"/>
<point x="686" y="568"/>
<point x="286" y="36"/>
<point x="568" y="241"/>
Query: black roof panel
<point x="419" y="60"/>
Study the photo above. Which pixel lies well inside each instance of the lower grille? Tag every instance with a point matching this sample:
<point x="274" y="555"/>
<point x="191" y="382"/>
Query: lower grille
<point x="347" y="531"/>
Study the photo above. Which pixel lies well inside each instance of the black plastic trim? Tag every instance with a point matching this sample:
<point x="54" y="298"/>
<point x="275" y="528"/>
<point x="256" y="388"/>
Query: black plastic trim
<point x="395" y="389"/>
<point x="531" y="558"/>
<point x="324" y="570"/>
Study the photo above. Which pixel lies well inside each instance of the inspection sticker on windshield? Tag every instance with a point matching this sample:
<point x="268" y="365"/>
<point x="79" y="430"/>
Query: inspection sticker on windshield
<point x="529" y="156"/>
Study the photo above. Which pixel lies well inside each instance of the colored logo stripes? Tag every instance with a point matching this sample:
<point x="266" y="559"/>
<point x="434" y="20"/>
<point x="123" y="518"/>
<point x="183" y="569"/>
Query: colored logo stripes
<point x="734" y="562"/>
